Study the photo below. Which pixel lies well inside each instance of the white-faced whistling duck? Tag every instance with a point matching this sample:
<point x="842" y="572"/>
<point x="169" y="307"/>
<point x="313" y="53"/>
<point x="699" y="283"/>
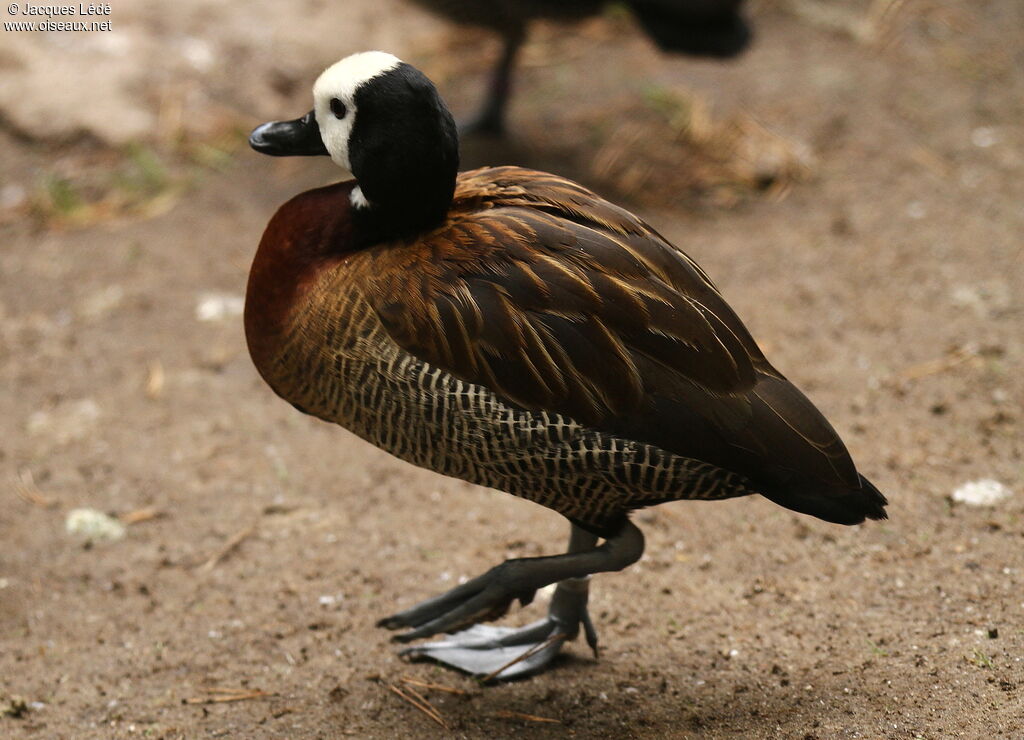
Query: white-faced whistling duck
<point x="511" y="328"/>
<point x="702" y="28"/>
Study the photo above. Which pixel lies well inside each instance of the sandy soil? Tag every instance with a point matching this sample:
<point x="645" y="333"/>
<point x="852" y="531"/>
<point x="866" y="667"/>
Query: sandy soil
<point x="884" y="274"/>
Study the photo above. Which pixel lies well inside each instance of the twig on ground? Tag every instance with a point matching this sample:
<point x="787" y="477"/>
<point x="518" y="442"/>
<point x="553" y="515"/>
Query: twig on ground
<point x="532" y="651"/>
<point x="221" y="696"/>
<point x="956" y="357"/>
<point x="422" y="699"/>
<point x="420" y="703"/>
<point x="506" y="714"/>
<point x="228" y="690"/>
<point x="434" y="686"/>
<point x="155" y="380"/>
<point x="29" y="492"/>
<point x="141" y="515"/>
<point x="230" y="546"/>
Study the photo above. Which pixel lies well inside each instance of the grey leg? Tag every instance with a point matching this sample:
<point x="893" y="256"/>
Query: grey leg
<point x="501" y="652"/>
<point x="490" y="120"/>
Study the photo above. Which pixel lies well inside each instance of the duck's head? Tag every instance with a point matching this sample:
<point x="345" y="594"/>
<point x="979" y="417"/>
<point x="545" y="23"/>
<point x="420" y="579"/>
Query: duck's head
<point x="384" y="121"/>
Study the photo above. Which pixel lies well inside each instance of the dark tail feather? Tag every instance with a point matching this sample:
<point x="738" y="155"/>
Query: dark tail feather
<point x="712" y="28"/>
<point x="842" y="506"/>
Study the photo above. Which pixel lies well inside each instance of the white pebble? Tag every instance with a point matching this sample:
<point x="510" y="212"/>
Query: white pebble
<point x="983" y="137"/>
<point x="198" y="53"/>
<point x="219" y="306"/>
<point x="916" y="210"/>
<point x="93" y="525"/>
<point x="985" y="492"/>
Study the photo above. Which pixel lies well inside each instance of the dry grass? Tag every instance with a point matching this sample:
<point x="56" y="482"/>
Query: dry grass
<point x="672" y="148"/>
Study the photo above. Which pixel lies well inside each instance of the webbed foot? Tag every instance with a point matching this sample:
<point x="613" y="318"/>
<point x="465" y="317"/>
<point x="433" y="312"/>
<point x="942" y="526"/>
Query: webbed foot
<point x="497" y="652"/>
<point x="504" y="652"/>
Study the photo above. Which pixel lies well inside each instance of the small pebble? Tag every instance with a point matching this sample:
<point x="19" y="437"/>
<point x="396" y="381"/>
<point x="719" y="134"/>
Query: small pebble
<point x="94" y="525"/>
<point x="984" y="492"/>
<point x="219" y="306"/>
<point x="983" y="137"/>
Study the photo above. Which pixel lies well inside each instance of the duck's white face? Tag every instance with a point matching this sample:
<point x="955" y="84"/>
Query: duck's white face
<point x="334" y="95"/>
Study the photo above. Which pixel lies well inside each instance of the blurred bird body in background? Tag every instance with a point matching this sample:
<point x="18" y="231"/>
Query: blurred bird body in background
<point x="703" y="28"/>
<point x="511" y="328"/>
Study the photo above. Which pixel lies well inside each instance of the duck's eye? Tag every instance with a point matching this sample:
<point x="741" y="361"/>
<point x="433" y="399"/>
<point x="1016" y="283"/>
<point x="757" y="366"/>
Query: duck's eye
<point x="338" y="108"/>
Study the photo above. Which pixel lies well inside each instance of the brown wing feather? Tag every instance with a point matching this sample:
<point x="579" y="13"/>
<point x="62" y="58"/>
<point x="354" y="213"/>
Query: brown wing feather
<point x="551" y="314"/>
<point x="561" y="301"/>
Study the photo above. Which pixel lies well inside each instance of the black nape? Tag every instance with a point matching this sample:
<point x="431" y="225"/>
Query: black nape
<point x="404" y="150"/>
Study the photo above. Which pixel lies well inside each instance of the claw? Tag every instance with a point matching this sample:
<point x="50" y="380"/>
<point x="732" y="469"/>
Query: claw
<point x="590" y="633"/>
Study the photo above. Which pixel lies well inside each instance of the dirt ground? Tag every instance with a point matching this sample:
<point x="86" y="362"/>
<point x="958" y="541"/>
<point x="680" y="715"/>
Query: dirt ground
<point x="854" y="185"/>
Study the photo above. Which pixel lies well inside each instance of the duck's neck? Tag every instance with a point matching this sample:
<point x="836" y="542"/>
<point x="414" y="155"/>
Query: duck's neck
<point x="407" y="205"/>
<point x="405" y="173"/>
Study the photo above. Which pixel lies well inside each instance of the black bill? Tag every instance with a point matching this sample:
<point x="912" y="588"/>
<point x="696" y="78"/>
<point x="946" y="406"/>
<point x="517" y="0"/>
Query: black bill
<point x="298" y="138"/>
